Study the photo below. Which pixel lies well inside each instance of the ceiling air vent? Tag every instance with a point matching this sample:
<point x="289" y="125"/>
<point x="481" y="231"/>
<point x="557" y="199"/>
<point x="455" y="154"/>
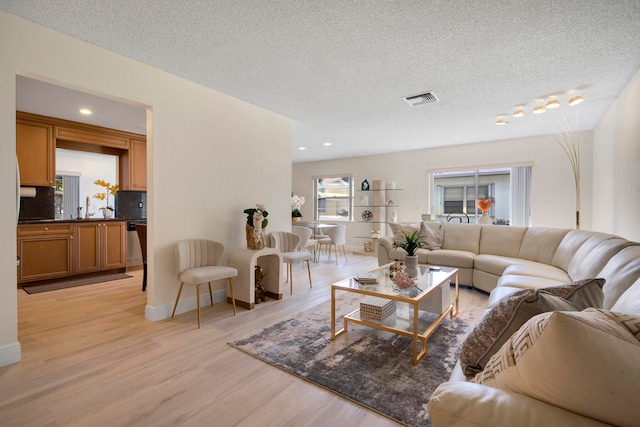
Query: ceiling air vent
<point x="423" y="98"/>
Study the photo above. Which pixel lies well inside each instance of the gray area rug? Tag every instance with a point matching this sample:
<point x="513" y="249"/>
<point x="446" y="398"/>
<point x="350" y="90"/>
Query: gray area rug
<point x="370" y="367"/>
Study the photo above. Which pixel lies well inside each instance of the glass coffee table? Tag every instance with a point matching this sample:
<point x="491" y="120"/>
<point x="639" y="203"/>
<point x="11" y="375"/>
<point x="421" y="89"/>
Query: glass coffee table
<point x="431" y="294"/>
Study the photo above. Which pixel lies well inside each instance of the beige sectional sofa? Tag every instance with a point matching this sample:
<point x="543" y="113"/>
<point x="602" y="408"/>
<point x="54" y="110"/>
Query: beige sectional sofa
<point x="503" y="260"/>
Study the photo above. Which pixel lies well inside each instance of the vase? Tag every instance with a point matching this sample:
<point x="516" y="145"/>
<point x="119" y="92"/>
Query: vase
<point x="485" y="219"/>
<point x="251" y="240"/>
<point x="295" y="219"/>
<point x="107" y="213"/>
<point x="411" y="264"/>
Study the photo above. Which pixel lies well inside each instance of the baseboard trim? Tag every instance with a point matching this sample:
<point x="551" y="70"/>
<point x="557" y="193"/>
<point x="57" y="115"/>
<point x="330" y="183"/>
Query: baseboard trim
<point x="10" y="354"/>
<point x="161" y="312"/>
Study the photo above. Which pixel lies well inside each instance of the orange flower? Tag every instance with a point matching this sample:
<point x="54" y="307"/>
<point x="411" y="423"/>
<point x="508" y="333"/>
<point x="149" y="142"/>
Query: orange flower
<point x="485" y="204"/>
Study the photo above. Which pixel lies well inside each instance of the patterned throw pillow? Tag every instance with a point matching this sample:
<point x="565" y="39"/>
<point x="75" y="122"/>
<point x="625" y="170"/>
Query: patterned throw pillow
<point x="513" y="311"/>
<point x="397" y="229"/>
<point x="433" y="239"/>
<point x="585" y="362"/>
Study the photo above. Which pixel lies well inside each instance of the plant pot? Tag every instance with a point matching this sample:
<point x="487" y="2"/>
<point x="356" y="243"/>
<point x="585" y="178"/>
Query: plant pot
<point x="295" y="219"/>
<point x="251" y="240"/>
<point x="107" y="213"/>
<point x="411" y="264"/>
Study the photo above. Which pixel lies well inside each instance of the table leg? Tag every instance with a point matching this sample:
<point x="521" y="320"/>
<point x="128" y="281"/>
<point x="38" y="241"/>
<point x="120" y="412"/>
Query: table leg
<point x="335" y="334"/>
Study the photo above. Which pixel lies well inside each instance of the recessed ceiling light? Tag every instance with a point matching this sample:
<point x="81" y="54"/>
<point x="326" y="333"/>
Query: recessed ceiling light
<point x="576" y="100"/>
<point x="85" y="111"/>
<point x="539" y="109"/>
<point x="326" y="144"/>
<point x="302" y="148"/>
<point x="554" y="103"/>
<point x="519" y="113"/>
<point x="501" y="122"/>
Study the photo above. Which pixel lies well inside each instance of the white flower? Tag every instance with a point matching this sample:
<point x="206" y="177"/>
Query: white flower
<point x="296" y="202"/>
<point x="260" y="206"/>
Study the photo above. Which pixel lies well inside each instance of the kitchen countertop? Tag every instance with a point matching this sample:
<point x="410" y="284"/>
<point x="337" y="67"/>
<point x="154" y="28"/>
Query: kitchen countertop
<point x="57" y="221"/>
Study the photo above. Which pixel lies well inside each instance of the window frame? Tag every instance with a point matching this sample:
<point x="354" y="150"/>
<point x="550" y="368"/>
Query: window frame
<point x="350" y="197"/>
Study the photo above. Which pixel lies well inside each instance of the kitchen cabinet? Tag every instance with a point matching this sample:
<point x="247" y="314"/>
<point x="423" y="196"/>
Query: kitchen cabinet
<point x="45" y="251"/>
<point x="35" y="148"/>
<point x="133" y="166"/>
<point x="100" y="245"/>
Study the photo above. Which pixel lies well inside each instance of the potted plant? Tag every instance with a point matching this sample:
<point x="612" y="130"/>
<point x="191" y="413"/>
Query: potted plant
<point x="107" y="211"/>
<point x="254" y="228"/>
<point x="296" y="204"/>
<point x="410" y="244"/>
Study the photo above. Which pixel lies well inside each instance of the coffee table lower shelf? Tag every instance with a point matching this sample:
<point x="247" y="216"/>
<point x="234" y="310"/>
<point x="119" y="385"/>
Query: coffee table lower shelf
<point x="398" y="326"/>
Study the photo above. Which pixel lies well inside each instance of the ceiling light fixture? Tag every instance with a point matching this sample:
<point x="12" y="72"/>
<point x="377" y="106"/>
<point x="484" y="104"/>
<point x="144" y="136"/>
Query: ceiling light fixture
<point x="554" y="103"/>
<point x="85" y="111"/>
<point x="326" y="144"/>
<point x="576" y="100"/>
<point x="302" y="148"/>
<point x="557" y="126"/>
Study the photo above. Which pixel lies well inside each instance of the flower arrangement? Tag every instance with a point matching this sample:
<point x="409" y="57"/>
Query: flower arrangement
<point x="296" y="204"/>
<point x="109" y="189"/>
<point x="257" y="220"/>
<point x="485" y="204"/>
<point x="402" y="280"/>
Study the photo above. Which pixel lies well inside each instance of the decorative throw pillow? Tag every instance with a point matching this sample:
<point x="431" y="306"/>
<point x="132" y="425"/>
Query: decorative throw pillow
<point x="513" y="311"/>
<point x="585" y="362"/>
<point x="397" y="229"/>
<point x="433" y="239"/>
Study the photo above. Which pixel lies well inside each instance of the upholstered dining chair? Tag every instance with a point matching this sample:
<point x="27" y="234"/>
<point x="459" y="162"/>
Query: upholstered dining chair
<point x="306" y="242"/>
<point x="337" y="240"/>
<point x="287" y="244"/>
<point x="199" y="261"/>
<point x="141" y="229"/>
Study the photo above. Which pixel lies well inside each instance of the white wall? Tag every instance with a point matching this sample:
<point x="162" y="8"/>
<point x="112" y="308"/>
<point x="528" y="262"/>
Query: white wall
<point x="616" y="169"/>
<point x="206" y="154"/>
<point x="553" y="189"/>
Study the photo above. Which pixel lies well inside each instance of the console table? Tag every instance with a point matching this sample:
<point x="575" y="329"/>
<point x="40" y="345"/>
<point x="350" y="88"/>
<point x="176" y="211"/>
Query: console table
<point x="245" y="261"/>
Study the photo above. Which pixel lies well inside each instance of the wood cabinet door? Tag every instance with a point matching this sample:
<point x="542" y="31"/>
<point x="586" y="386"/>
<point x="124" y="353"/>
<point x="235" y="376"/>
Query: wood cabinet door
<point x="87" y="239"/>
<point x="114" y="245"/>
<point x="36" y="153"/>
<point x="138" y="165"/>
<point x="44" y="257"/>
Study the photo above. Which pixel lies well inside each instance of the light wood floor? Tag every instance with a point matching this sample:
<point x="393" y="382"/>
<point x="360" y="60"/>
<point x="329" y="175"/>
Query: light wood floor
<point x="89" y="358"/>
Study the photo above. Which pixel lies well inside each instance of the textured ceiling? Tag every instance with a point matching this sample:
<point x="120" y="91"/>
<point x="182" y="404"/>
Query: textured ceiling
<point x="340" y="69"/>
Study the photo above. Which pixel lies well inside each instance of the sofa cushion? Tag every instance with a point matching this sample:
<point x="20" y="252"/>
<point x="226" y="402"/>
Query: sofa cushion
<point x="622" y="270"/>
<point x="629" y="302"/>
<point x="540" y="244"/>
<point x="590" y="259"/>
<point x="537" y="269"/>
<point x="494" y="264"/>
<point x="528" y="282"/>
<point x="513" y="311"/>
<point x="433" y="239"/>
<point x="461" y="237"/>
<point x="450" y="258"/>
<point x="584" y="362"/>
<point x="503" y="241"/>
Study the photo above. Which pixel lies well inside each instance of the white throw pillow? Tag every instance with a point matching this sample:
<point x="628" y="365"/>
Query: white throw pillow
<point x="586" y="362"/>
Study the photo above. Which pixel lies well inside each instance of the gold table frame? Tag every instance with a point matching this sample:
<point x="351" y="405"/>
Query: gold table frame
<point x="384" y="289"/>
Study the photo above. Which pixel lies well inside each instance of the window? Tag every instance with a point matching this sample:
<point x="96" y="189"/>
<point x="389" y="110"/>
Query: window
<point x="455" y="193"/>
<point x="334" y="198"/>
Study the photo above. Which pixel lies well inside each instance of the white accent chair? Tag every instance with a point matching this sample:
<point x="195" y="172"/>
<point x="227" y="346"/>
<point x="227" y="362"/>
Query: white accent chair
<point x="306" y="242"/>
<point x="337" y="239"/>
<point x="287" y="244"/>
<point x="199" y="262"/>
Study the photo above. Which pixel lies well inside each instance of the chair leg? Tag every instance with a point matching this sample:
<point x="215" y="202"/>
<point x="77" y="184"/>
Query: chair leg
<point x="344" y="251"/>
<point x="198" y="302"/>
<point x="337" y="251"/>
<point x="210" y="294"/>
<point x="233" y="298"/>
<point x="177" y="298"/>
<point x="144" y="277"/>
<point x="309" y="271"/>
<point x="290" y="274"/>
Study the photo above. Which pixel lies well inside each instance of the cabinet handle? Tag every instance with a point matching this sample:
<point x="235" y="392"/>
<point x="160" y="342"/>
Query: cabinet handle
<point x="71" y="237"/>
<point x="46" y="229"/>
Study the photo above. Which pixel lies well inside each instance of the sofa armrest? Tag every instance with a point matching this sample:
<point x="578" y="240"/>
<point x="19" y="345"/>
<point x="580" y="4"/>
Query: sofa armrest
<point x="474" y="405"/>
<point x="384" y="247"/>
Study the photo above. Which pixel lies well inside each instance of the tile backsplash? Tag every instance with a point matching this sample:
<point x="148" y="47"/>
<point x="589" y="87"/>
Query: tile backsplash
<point x="40" y="206"/>
<point x="131" y="204"/>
